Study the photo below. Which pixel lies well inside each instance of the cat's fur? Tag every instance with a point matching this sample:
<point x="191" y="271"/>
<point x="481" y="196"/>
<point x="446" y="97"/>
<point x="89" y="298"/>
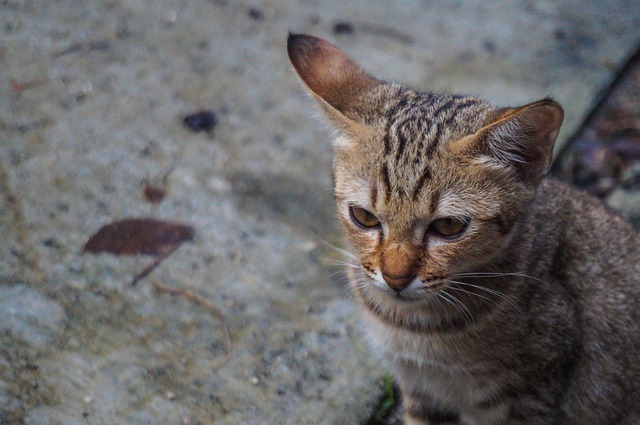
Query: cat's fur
<point x="531" y="314"/>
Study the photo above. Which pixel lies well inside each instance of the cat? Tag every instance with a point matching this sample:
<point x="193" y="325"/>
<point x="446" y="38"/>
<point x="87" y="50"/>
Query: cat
<point x="494" y="295"/>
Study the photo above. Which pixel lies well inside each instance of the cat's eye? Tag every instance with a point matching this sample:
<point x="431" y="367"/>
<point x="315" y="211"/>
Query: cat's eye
<point x="449" y="227"/>
<point x="363" y="218"/>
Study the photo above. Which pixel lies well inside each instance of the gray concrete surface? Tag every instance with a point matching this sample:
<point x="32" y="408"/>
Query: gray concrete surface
<point x="92" y="94"/>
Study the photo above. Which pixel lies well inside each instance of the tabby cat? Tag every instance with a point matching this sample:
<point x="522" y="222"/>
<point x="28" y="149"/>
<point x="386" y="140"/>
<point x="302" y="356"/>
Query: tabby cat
<point x="494" y="296"/>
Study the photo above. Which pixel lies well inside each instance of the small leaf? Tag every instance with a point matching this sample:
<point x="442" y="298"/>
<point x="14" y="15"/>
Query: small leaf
<point x="154" y="194"/>
<point x="134" y="236"/>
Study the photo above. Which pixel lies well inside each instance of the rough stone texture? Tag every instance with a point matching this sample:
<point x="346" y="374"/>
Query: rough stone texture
<point x="92" y="96"/>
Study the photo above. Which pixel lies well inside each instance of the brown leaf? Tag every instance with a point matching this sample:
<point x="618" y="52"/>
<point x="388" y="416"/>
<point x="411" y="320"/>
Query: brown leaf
<point x="20" y="86"/>
<point x="154" y="194"/>
<point x="133" y="236"/>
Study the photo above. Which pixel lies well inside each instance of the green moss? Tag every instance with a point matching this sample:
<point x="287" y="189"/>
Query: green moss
<point x="387" y="404"/>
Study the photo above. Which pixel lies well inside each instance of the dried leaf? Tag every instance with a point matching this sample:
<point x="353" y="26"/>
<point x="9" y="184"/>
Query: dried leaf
<point x="154" y="194"/>
<point x="20" y="86"/>
<point x="134" y="236"/>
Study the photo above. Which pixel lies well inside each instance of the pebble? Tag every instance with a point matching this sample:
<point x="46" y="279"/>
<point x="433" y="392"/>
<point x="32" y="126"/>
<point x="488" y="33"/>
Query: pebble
<point x="343" y="28"/>
<point x="169" y="17"/>
<point x="204" y="120"/>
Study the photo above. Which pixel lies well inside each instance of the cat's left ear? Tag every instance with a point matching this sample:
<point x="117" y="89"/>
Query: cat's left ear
<point x="518" y="138"/>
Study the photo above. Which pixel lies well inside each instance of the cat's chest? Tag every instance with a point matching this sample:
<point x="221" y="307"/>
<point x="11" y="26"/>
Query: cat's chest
<point x="451" y="367"/>
<point x="450" y="350"/>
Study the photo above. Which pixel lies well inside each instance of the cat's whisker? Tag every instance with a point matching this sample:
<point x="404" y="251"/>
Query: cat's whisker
<point x="350" y="284"/>
<point x="489" y="291"/>
<point x="343" y="272"/>
<point x="339" y="250"/>
<point x="464" y="309"/>
<point x="349" y="287"/>
<point x="457" y="304"/>
<point x="321" y="192"/>
<point x="498" y="274"/>
<point x="354" y="286"/>
<point x="473" y="294"/>
<point x="343" y="276"/>
<point x="440" y="296"/>
<point x="346" y="291"/>
<point x="437" y="298"/>
<point x="334" y="262"/>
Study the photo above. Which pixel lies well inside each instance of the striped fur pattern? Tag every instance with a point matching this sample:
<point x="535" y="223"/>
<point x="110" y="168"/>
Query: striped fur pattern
<point x="494" y="295"/>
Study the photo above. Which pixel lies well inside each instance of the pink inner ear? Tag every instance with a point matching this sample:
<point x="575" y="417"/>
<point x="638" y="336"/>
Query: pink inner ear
<point x="550" y="120"/>
<point x="327" y="71"/>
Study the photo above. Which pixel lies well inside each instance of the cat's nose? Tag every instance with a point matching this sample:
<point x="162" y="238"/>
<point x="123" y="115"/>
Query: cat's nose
<point x="398" y="283"/>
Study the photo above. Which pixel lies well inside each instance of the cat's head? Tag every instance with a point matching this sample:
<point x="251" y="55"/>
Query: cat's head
<point x="427" y="186"/>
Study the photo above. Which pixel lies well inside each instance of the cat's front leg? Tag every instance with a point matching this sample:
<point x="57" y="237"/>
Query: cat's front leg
<point x="420" y="410"/>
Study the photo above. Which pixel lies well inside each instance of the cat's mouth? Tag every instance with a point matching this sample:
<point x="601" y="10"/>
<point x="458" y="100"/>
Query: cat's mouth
<point x="417" y="290"/>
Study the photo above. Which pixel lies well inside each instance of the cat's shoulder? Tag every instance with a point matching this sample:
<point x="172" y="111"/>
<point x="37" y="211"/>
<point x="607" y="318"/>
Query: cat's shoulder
<point x="573" y="208"/>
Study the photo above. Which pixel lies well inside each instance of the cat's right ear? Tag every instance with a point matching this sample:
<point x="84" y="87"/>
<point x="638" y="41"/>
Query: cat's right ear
<point x="334" y="80"/>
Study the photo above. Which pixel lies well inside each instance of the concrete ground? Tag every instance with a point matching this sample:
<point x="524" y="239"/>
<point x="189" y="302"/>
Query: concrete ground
<point x="92" y="97"/>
